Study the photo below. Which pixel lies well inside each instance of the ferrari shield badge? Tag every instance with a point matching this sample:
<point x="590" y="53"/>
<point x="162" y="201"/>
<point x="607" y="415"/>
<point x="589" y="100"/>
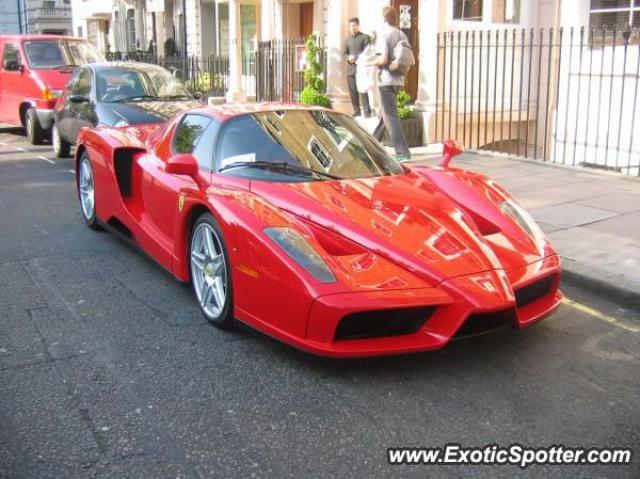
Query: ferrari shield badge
<point x="181" y="203"/>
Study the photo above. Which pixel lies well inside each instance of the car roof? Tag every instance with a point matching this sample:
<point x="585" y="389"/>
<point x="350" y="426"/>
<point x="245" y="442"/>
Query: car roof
<point x="227" y="111"/>
<point x="123" y="65"/>
<point x="40" y="37"/>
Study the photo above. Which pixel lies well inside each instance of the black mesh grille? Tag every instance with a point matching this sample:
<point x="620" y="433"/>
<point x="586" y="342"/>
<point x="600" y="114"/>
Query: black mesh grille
<point x="485" y="322"/>
<point x="390" y="322"/>
<point x="533" y="291"/>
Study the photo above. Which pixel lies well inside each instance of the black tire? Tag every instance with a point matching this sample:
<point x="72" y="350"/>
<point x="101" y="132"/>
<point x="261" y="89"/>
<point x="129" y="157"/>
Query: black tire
<point x="61" y="147"/>
<point x="88" y="214"/>
<point x="35" y="133"/>
<point x="224" y="318"/>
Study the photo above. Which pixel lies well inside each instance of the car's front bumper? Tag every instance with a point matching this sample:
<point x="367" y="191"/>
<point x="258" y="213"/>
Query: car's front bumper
<point x="479" y="298"/>
<point x="45" y="117"/>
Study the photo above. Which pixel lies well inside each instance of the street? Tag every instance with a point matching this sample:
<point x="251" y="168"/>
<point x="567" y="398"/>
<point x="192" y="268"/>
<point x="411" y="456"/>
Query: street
<point x="108" y="370"/>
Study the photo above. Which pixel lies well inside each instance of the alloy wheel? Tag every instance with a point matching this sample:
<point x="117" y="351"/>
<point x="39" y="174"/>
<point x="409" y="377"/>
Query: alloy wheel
<point x="208" y="270"/>
<point x="87" y="190"/>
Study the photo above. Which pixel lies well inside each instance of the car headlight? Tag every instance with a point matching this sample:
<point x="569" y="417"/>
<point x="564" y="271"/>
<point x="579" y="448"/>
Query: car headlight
<point x="299" y="249"/>
<point x="49" y="94"/>
<point x="513" y="211"/>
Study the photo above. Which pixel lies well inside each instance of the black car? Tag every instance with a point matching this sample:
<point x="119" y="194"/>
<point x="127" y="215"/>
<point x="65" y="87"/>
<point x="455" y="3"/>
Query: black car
<point x="116" y="94"/>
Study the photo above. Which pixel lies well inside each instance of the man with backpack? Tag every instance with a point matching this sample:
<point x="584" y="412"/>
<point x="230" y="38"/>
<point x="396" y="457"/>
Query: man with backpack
<point x="395" y="58"/>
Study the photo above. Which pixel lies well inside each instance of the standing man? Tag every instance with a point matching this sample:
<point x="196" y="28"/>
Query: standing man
<point x="356" y="43"/>
<point x="390" y="83"/>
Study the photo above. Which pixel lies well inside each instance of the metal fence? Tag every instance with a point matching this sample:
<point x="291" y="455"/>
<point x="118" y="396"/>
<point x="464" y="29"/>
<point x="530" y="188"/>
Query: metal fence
<point x="567" y="96"/>
<point x="279" y="75"/>
<point x="209" y="75"/>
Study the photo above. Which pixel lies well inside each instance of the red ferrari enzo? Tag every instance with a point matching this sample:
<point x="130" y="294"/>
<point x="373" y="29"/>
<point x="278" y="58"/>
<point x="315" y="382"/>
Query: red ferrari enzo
<point x="295" y="221"/>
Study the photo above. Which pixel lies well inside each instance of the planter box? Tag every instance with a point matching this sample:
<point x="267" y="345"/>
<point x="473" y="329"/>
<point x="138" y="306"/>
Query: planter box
<point x="412" y="129"/>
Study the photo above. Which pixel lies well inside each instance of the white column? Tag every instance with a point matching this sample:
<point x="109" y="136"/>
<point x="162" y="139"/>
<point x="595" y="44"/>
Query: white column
<point x="337" y="27"/>
<point x="432" y="19"/>
<point x="235" y="92"/>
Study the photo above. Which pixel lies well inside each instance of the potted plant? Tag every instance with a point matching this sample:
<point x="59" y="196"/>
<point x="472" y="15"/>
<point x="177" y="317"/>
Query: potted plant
<point x="314" y="92"/>
<point x="411" y="122"/>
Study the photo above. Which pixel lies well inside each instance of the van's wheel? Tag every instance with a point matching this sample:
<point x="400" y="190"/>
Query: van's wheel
<point x="35" y="133"/>
<point x="211" y="272"/>
<point x="60" y="147"/>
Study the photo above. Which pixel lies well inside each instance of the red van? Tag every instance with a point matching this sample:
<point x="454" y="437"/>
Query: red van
<point x="35" y="69"/>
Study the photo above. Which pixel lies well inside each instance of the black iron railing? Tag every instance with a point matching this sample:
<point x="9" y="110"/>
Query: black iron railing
<point x="567" y="95"/>
<point x="279" y="74"/>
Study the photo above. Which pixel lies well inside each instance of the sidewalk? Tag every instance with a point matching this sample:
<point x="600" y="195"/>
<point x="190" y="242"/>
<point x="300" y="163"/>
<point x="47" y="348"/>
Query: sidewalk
<point x="591" y="217"/>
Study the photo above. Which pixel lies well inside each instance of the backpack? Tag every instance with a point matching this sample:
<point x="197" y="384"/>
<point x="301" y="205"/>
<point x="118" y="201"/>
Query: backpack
<point x="403" y="58"/>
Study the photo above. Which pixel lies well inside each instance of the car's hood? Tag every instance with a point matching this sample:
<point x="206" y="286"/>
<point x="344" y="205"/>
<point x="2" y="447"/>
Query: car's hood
<point x="405" y="218"/>
<point x="54" y="79"/>
<point x="140" y="112"/>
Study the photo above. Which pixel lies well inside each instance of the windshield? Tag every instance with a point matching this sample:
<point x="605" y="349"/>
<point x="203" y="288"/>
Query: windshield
<point x="272" y="145"/>
<point x="126" y="83"/>
<point x="47" y="54"/>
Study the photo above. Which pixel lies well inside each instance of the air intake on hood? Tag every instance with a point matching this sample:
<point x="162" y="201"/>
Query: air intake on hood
<point x="389" y="322"/>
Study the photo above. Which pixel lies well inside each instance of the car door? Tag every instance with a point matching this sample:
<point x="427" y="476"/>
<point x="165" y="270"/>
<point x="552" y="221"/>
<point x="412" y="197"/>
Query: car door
<point x="160" y="189"/>
<point x="62" y="112"/>
<point x="80" y="106"/>
<point x="10" y="83"/>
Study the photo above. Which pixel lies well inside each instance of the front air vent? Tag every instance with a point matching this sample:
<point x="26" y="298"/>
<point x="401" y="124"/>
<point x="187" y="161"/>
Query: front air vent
<point x="486" y="322"/>
<point x="534" y="291"/>
<point x="377" y="324"/>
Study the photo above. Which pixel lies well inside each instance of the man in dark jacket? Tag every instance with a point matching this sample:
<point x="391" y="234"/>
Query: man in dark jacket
<point x="356" y="43"/>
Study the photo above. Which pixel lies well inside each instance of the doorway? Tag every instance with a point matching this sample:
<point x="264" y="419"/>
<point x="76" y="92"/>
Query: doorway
<point x="408" y="23"/>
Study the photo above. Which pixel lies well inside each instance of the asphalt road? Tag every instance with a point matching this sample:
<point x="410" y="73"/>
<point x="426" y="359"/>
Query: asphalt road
<point x="108" y="370"/>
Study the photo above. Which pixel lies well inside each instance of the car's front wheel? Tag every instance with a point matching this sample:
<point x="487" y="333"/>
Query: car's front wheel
<point x="60" y="147"/>
<point x="35" y="133"/>
<point x="210" y="272"/>
<point x="87" y="191"/>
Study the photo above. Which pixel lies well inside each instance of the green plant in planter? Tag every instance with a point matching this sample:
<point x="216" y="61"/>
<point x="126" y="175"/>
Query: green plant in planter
<point x="405" y="110"/>
<point x="170" y="47"/>
<point x="205" y="82"/>
<point x="314" y="92"/>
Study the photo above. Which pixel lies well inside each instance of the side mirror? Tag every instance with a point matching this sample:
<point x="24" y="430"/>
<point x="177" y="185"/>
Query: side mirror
<point x="451" y="148"/>
<point x="78" y="99"/>
<point x="182" y="164"/>
<point x="12" y="66"/>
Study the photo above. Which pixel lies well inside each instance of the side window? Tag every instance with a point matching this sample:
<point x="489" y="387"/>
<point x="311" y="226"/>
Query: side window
<point x="203" y="152"/>
<point x="83" y="83"/>
<point x="10" y="56"/>
<point x="189" y="132"/>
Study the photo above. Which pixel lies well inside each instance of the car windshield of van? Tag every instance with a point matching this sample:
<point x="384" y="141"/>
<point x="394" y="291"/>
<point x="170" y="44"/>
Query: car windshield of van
<point x="48" y="54"/>
<point x="133" y="83"/>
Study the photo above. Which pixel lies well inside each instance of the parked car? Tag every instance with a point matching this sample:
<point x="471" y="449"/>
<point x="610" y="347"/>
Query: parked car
<point x="294" y="220"/>
<point x="35" y="69"/>
<point x="116" y="94"/>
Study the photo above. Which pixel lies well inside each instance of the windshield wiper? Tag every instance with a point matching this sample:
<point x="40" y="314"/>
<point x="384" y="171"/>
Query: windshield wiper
<point x="137" y="97"/>
<point x="176" y="97"/>
<point x="63" y="67"/>
<point x="281" y="165"/>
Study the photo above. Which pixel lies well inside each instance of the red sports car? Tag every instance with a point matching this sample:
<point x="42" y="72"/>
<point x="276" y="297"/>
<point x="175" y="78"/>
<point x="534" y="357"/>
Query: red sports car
<point x="295" y="221"/>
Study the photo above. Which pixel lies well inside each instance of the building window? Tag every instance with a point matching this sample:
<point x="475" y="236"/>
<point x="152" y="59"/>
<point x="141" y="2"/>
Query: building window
<point x="79" y="31"/>
<point x="467" y="10"/>
<point x="131" y="30"/>
<point x="49" y="4"/>
<point x="614" y="13"/>
<point x="505" y="11"/>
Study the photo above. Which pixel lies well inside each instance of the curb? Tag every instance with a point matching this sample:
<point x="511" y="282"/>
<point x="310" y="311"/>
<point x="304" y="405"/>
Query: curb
<point x="627" y="297"/>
